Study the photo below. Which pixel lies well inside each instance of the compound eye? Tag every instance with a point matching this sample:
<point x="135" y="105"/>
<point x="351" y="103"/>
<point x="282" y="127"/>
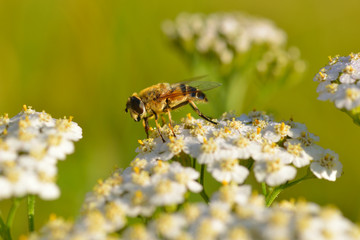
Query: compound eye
<point x="137" y="105"/>
<point x="142" y="107"/>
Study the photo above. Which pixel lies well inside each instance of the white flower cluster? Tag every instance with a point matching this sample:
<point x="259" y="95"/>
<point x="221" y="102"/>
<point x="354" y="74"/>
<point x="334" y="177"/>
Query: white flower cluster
<point x="278" y="62"/>
<point x="339" y="82"/>
<point x="149" y="199"/>
<point x="233" y="213"/>
<point x="277" y="148"/>
<point x="223" y="34"/>
<point x="139" y="190"/>
<point x="226" y="36"/>
<point x="31" y="143"/>
<point x="248" y="220"/>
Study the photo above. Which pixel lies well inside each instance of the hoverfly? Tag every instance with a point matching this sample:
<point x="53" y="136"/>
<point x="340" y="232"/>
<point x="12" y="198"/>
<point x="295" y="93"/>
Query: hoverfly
<point x="164" y="97"/>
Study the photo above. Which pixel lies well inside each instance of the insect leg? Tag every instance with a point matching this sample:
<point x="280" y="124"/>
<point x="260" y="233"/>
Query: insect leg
<point x="146" y="126"/>
<point x="192" y="104"/>
<point x="163" y="120"/>
<point x="170" y="122"/>
<point x="158" y="126"/>
<point x="179" y="105"/>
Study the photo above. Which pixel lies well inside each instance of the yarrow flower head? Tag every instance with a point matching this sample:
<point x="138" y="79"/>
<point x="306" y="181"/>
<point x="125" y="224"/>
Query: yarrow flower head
<point x="339" y="82"/>
<point x="227" y="36"/>
<point x="31" y="143"/>
<point x="277" y="149"/>
<point x="232" y="213"/>
<point x="156" y="186"/>
<point x="222" y="34"/>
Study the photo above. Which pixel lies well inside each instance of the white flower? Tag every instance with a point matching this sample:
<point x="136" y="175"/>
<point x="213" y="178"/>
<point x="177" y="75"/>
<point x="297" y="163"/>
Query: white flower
<point x="351" y="73"/>
<point x="227" y="170"/>
<point x="167" y="192"/>
<point x="232" y="193"/>
<point x="67" y="128"/>
<point x="278" y="225"/>
<point x="297" y="155"/>
<point x="274" y="132"/>
<point x="186" y="176"/>
<point x="149" y="149"/>
<point x="49" y="191"/>
<point x="5" y="187"/>
<point x="207" y="228"/>
<point x="209" y="151"/>
<point x="59" y="147"/>
<point x="169" y="225"/>
<point x="327" y="165"/>
<point x="347" y="96"/>
<point x="237" y="232"/>
<point x="115" y="215"/>
<point x="327" y="91"/>
<point x="270" y="150"/>
<point x="339" y="82"/>
<point x="137" y="202"/>
<point x="223" y="34"/>
<point x="138" y="232"/>
<point x="273" y="171"/>
<point x="31" y="143"/>
<point x="307" y="139"/>
<point x="242" y="147"/>
<point x="174" y="147"/>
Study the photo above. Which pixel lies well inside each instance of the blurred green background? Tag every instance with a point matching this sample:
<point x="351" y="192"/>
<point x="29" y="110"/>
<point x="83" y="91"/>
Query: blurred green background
<point x="85" y="57"/>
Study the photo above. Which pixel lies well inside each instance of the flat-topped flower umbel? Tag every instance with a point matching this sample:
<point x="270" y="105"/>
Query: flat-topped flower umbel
<point x="31" y="143"/>
<point x="339" y="81"/>
<point x="277" y="149"/>
<point x="155" y="188"/>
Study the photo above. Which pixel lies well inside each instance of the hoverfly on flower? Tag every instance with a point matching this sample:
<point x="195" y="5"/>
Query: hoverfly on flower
<point x="165" y="97"/>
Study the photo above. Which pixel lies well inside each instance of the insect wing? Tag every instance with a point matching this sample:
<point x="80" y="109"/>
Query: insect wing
<point x="203" y="85"/>
<point x="188" y="87"/>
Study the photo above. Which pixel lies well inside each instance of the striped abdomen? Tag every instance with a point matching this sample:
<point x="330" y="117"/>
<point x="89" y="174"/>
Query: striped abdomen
<point x="192" y="92"/>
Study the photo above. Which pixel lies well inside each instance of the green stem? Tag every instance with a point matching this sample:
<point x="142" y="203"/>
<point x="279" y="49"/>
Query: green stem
<point x="202" y="173"/>
<point x="31" y="212"/>
<point x="275" y="193"/>
<point x="354" y="114"/>
<point x="203" y="193"/>
<point x="4" y="230"/>
<point x="11" y="215"/>
<point x="194" y="163"/>
<point x="264" y="190"/>
<point x="204" y="196"/>
<point x="250" y="164"/>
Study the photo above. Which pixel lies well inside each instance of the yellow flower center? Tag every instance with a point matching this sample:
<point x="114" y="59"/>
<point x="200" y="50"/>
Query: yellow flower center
<point x="352" y="94"/>
<point x="282" y="129"/>
<point x="327" y="161"/>
<point x="331" y="88"/>
<point x="294" y="149"/>
<point x="163" y="186"/>
<point x="273" y="166"/>
<point x="242" y="142"/>
<point x="176" y="145"/>
<point x="209" y="146"/>
<point x="228" y="164"/>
